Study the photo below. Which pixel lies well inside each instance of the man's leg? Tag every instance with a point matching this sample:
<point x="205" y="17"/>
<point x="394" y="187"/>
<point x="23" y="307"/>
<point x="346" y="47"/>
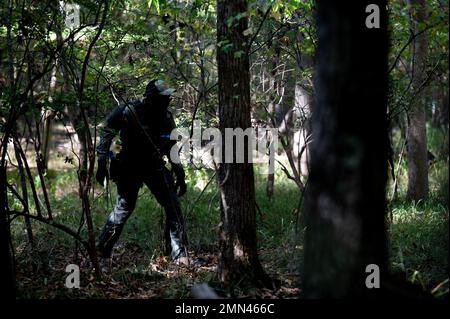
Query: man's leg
<point x="162" y="186"/>
<point x="127" y="192"/>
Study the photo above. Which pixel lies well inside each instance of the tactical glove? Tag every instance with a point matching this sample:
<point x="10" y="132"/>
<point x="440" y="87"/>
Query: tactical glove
<point x="102" y="171"/>
<point x="180" y="183"/>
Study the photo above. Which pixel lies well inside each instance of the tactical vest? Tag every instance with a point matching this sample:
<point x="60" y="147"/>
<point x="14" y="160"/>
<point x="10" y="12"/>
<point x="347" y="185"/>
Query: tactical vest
<point x="148" y="137"/>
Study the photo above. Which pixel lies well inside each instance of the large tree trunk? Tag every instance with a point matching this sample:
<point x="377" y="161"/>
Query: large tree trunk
<point x="7" y="273"/>
<point x="239" y="258"/>
<point x="7" y="277"/>
<point x="345" y="201"/>
<point x="417" y="139"/>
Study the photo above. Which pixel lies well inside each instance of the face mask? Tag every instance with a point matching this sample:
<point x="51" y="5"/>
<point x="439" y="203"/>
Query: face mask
<point x="161" y="101"/>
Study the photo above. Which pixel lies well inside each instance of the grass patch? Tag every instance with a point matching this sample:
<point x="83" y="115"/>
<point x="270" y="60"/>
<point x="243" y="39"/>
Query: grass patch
<point x="418" y="238"/>
<point x="419" y="241"/>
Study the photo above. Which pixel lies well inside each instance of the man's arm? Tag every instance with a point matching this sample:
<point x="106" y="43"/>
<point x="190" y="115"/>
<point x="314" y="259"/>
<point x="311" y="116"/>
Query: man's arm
<point x="109" y="130"/>
<point x="177" y="168"/>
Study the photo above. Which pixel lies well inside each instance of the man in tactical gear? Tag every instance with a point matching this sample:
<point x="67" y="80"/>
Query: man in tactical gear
<point x="144" y="128"/>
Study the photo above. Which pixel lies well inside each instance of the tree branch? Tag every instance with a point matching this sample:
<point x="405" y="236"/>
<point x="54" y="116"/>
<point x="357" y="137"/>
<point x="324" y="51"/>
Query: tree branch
<point x="410" y="40"/>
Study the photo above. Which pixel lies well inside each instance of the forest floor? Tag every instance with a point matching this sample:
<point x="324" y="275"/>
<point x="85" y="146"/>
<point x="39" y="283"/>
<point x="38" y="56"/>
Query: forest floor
<point x="139" y="269"/>
<point x="418" y="240"/>
<point x="132" y="274"/>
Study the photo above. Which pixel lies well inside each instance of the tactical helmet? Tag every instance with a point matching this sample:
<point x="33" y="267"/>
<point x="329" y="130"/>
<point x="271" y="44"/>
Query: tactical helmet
<point x="158" y="87"/>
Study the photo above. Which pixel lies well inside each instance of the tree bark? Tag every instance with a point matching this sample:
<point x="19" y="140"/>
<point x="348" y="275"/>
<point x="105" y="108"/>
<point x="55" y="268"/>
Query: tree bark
<point x="345" y="200"/>
<point x="273" y="83"/>
<point x="47" y="117"/>
<point x="239" y="261"/>
<point x="23" y="184"/>
<point x="7" y="276"/>
<point x="7" y="272"/>
<point x="417" y="139"/>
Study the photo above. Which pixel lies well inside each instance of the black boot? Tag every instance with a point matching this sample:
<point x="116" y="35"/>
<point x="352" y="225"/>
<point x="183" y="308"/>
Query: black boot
<point x="177" y="243"/>
<point x="109" y="236"/>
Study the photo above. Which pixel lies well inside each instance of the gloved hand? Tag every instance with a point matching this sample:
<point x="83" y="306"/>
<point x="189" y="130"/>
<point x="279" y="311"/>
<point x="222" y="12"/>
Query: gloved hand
<point x="102" y="171"/>
<point x="180" y="183"/>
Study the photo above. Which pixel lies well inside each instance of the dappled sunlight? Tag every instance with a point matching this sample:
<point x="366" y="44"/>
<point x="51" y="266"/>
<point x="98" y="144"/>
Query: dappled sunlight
<point x="256" y="149"/>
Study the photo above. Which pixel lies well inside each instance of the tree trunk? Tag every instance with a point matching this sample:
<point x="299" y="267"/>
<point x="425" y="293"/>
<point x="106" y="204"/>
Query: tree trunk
<point x="7" y="277"/>
<point x="345" y="200"/>
<point x="270" y="185"/>
<point x="443" y="105"/>
<point x="23" y="184"/>
<point x="274" y="84"/>
<point x="300" y="140"/>
<point x="47" y="117"/>
<point x="417" y="139"/>
<point x="7" y="273"/>
<point x="239" y="261"/>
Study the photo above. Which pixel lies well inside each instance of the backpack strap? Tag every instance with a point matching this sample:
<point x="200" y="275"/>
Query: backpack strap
<point x="131" y="115"/>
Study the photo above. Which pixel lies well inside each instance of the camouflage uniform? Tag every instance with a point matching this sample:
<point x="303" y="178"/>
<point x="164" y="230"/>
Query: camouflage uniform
<point x="140" y="162"/>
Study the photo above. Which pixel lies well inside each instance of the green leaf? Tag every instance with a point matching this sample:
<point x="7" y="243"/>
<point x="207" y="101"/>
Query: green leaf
<point x="157" y="6"/>
<point x="230" y="21"/>
<point x="247" y="32"/>
<point x="227" y="47"/>
<point x="156" y="2"/>
<point x="241" y="15"/>
<point x="238" y="54"/>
